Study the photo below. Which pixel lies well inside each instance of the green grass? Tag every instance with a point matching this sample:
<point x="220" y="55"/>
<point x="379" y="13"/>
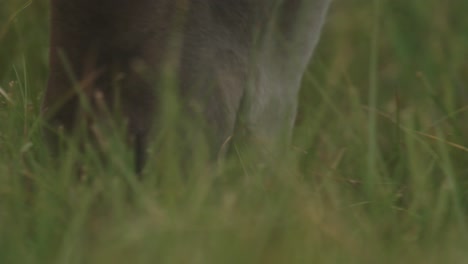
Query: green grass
<point x="378" y="172"/>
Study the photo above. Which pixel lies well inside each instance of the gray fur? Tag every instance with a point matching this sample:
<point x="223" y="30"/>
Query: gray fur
<point x="239" y="62"/>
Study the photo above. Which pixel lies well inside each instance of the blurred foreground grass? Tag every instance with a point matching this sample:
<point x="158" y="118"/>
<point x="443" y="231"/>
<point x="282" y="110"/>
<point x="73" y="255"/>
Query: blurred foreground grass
<point x="378" y="173"/>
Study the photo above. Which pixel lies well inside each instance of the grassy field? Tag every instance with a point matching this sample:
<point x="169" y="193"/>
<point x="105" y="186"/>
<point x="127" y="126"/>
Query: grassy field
<point x="378" y="172"/>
